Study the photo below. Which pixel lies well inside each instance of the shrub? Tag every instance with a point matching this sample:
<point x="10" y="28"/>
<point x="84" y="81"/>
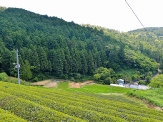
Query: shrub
<point x="3" y="76"/>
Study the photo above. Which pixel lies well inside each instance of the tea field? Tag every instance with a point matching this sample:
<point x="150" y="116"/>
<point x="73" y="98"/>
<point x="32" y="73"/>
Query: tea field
<point x="39" y="104"/>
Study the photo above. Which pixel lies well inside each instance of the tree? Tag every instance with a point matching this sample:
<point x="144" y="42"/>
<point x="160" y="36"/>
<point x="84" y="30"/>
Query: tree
<point x="42" y="59"/>
<point x="58" y="62"/>
<point x="34" y="59"/>
<point x="84" y="66"/>
<point x="26" y="70"/>
<point x="90" y="63"/>
<point x="67" y="62"/>
<point x="103" y="75"/>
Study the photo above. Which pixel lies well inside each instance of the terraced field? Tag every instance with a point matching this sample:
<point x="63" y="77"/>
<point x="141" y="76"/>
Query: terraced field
<point x="35" y="104"/>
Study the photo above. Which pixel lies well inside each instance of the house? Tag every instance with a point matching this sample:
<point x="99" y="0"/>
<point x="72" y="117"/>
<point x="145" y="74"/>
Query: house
<point x="120" y="81"/>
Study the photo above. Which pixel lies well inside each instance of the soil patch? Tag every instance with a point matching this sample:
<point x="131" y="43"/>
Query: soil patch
<point x="46" y="83"/>
<point x="152" y="106"/>
<point x="51" y="84"/>
<point x="79" y="85"/>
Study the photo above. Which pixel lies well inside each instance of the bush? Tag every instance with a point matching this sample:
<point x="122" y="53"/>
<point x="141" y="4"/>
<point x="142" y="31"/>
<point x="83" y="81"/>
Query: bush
<point x="35" y="79"/>
<point x="157" y="82"/>
<point x="141" y="82"/>
<point x="3" y="76"/>
<point x="103" y="75"/>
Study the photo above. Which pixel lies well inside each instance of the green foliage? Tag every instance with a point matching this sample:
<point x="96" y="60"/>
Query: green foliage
<point x="26" y="71"/>
<point x="103" y="75"/>
<point x="153" y="96"/>
<point x="42" y="104"/>
<point x="6" y="116"/>
<point x="72" y="49"/>
<point x="141" y="82"/>
<point x="3" y="76"/>
<point x="157" y="82"/>
<point x="6" y="78"/>
<point x="138" y="60"/>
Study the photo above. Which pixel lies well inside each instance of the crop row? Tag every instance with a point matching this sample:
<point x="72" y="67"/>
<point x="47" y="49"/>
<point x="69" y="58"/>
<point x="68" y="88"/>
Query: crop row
<point x="87" y="111"/>
<point x="6" y="116"/>
<point x="75" y="97"/>
<point x="93" y="100"/>
<point x="69" y="106"/>
<point x="69" y="109"/>
<point x="31" y="111"/>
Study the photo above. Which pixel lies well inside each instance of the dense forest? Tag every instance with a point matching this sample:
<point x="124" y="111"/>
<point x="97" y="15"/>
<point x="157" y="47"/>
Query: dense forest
<point x="51" y="47"/>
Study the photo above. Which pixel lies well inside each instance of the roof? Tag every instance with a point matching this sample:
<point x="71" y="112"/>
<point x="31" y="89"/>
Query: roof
<point x="120" y="80"/>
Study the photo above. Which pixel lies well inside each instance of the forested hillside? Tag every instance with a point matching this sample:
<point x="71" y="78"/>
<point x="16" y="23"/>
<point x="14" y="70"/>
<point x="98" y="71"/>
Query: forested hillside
<point x="52" y="47"/>
<point x="150" y="42"/>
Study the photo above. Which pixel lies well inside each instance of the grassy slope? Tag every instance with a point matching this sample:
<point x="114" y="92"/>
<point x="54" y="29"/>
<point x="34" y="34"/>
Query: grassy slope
<point x="6" y="78"/>
<point x="153" y="96"/>
<point x="99" y="88"/>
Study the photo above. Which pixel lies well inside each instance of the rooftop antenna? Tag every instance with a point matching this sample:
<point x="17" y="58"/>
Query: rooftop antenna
<point x="17" y="65"/>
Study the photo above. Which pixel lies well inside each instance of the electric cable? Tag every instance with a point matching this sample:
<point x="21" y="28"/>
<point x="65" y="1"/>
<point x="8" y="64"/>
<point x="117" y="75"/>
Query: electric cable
<point x="136" y="15"/>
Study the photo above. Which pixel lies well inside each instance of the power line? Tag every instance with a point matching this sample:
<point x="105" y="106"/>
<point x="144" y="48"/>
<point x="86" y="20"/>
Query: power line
<point x="136" y="15"/>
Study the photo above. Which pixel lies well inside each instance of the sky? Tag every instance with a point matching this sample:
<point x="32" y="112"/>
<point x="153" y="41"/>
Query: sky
<point x="112" y="14"/>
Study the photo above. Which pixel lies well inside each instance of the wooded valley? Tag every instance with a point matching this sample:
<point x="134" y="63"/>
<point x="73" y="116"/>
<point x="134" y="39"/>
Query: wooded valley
<point x="51" y="47"/>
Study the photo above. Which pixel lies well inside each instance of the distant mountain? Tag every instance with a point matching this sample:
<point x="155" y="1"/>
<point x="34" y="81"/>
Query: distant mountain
<point x="52" y="47"/>
<point x="155" y="30"/>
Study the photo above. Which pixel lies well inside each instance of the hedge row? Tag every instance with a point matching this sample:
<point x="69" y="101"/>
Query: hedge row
<point x="31" y="111"/>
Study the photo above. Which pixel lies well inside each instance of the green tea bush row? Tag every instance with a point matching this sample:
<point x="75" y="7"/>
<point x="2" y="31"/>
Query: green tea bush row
<point x="31" y="111"/>
<point x="6" y="116"/>
<point x="69" y="109"/>
<point x="82" y="107"/>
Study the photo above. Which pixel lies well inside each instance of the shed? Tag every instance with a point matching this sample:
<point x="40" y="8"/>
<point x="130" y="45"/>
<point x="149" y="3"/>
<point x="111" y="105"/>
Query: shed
<point x="120" y="81"/>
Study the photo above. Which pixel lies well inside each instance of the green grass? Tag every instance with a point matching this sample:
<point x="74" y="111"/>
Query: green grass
<point x="99" y="88"/>
<point x="153" y="96"/>
<point x="6" y="78"/>
<point x="63" y="85"/>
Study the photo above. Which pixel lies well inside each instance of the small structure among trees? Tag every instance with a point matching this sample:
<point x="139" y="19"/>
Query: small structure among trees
<point x="120" y="81"/>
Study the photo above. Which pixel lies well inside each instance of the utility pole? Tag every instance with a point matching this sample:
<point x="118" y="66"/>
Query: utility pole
<point x="17" y="65"/>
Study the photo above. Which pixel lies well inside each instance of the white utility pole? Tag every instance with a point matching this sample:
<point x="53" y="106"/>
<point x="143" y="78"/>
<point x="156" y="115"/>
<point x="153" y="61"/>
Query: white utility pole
<point x="17" y="66"/>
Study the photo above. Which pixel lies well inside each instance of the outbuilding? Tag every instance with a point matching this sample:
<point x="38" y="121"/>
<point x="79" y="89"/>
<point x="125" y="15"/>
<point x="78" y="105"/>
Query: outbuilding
<point x="120" y="81"/>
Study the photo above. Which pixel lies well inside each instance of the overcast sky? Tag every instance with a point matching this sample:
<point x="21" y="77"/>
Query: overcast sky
<point x="112" y="14"/>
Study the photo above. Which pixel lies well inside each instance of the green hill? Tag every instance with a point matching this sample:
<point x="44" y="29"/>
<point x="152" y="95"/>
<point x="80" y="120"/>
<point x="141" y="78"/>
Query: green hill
<point x="43" y="104"/>
<point x="150" y="42"/>
<point x="51" y="47"/>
